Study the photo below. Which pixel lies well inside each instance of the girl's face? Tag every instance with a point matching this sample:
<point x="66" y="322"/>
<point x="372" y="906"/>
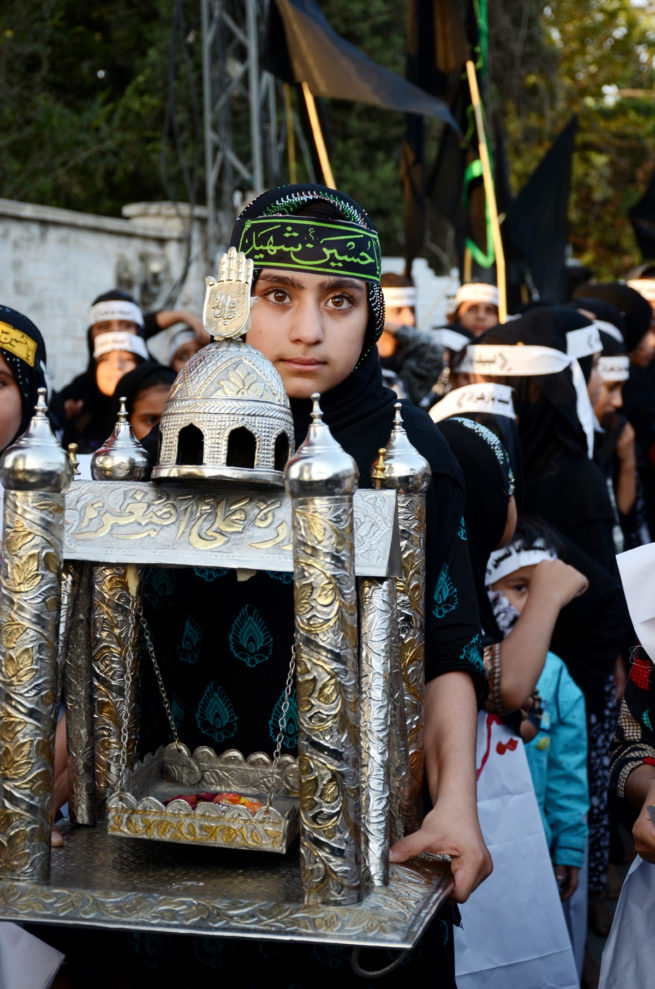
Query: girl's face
<point x="595" y="381"/>
<point x="147" y="408"/>
<point x="111" y="367"/>
<point x="516" y="586"/>
<point x="183" y="353"/>
<point x="477" y="316"/>
<point x="311" y="327"/>
<point x="610" y="398"/>
<point x="11" y="405"/>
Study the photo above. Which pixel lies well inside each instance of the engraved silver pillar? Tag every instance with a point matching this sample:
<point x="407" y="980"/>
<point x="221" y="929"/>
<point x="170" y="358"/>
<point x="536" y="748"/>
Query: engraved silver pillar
<point x="78" y="697"/>
<point x="114" y="633"/>
<point x="377" y="610"/>
<point x="410" y="474"/>
<point x="321" y="479"/>
<point x="35" y="474"/>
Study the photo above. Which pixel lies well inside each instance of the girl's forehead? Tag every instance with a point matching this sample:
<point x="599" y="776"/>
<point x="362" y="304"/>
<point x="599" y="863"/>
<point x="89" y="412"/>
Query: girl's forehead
<point x="310" y="280"/>
<point x="523" y="573"/>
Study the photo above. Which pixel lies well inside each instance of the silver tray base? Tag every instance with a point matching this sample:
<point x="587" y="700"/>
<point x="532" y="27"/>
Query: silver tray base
<point x="100" y="881"/>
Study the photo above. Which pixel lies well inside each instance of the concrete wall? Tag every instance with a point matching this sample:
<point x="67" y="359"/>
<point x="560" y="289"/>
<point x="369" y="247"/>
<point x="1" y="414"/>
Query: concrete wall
<point x="53" y="262"/>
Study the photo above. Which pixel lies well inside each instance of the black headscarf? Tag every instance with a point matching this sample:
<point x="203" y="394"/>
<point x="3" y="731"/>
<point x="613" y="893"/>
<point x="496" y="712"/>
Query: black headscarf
<point x="547" y="414"/>
<point x="23" y="348"/>
<point x="562" y="485"/>
<point x="602" y="309"/>
<point x="146" y="375"/>
<point x="634" y="309"/>
<point x="489" y="485"/>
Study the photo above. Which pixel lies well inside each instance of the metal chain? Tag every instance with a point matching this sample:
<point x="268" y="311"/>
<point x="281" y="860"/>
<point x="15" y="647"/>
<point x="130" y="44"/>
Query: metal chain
<point x="155" y="665"/>
<point x="282" y="723"/>
<point x="284" y="710"/>
<point x="128" y="681"/>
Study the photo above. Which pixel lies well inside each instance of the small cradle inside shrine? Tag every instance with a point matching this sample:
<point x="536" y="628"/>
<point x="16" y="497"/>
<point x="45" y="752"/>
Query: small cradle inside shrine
<point x="70" y="601"/>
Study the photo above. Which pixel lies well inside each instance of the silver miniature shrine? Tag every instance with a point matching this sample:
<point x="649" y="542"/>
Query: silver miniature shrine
<point x="71" y="609"/>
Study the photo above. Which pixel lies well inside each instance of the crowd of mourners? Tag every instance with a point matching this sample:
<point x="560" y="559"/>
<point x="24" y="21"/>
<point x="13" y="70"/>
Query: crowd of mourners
<point x="540" y="433"/>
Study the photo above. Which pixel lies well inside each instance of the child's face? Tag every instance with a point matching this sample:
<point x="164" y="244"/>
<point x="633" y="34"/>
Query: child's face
<point x="147" y="408"/>
<point x="610" y="398"/>
<point x="516" y="586"/>
<point x="111" y="367"/>
<point x="595" y="381"/>
<point x="11" y="405"/>
<point x="311" y="327"/>
<point x="477" y="316"/>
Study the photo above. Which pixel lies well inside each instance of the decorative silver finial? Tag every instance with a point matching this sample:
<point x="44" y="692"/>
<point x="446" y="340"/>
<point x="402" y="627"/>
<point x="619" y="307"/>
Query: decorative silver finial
<point x="36" y="461"/>
<point x="320" y="466"/>
<point x="121" y="457"/>
<point x="404" y="467"/>
<point x="227" y="297"/>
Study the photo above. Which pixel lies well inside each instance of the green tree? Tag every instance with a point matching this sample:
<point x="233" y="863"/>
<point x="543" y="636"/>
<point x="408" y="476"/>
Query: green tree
<point x="83" y="92"/>
<point x="593" y="58"/>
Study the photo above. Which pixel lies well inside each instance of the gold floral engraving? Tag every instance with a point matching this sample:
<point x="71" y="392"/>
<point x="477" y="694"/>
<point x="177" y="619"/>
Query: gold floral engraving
<point x="326" y="672"/>
<point x="411" y="633"/>
<point x="114" y="655"/>
<point x="31" y="574"/>
<point x="147" y="805"/>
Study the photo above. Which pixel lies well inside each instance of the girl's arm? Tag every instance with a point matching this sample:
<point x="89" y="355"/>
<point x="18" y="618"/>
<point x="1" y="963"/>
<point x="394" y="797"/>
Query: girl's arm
<point x="523" y="652"/>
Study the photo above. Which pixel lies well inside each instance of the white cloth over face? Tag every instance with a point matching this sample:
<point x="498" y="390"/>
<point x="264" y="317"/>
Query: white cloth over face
<point x="513" y="930"/>
<point x="629" y="955"/>
<point x="636" y="569"/>
<point x="26" y="962"/>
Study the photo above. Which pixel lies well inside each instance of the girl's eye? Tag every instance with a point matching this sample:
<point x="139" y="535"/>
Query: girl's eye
<point x="341" y="301"/>
<point x="277" y="295"/>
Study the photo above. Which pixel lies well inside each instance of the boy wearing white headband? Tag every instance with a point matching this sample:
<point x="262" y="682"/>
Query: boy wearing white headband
<point x="475" y="307"/>
<point x="411" y="359"/>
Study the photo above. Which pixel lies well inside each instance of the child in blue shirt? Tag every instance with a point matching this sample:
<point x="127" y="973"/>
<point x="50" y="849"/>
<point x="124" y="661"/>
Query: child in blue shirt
<point x="557" y="752"/>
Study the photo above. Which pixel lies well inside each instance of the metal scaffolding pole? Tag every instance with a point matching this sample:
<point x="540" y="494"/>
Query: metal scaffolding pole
<point x="241" y="133"/>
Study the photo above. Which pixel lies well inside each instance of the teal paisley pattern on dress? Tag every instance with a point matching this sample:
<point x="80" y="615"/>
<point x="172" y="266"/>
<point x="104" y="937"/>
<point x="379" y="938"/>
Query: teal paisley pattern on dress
<point x="445" y="594"/>
<point x="209" y="574"/>
<point x="157" y="587"/>
<point x="281" y="575"/>
<point x="290" y="739"/>
<point x="250" y="638"/>
<point x="461" y="530"/>
<point x="191" y="641"/>
<point x="216" y="716"/>
<point x="472" y="652"/>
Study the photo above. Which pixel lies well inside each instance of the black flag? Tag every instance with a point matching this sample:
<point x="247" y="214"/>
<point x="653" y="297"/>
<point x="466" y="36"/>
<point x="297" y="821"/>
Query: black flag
<point x="436" y="47"/>
<point x="642" y="217"/>
<point x="334" y="68"/>
<point x="536" y="226"/>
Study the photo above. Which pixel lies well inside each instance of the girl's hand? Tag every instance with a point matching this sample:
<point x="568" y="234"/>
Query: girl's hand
<point x="558" y="579"/>
<point x="446" y="831"/>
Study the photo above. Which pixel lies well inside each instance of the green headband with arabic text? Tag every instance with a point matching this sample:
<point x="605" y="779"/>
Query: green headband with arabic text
<point x="304" y="244"/>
